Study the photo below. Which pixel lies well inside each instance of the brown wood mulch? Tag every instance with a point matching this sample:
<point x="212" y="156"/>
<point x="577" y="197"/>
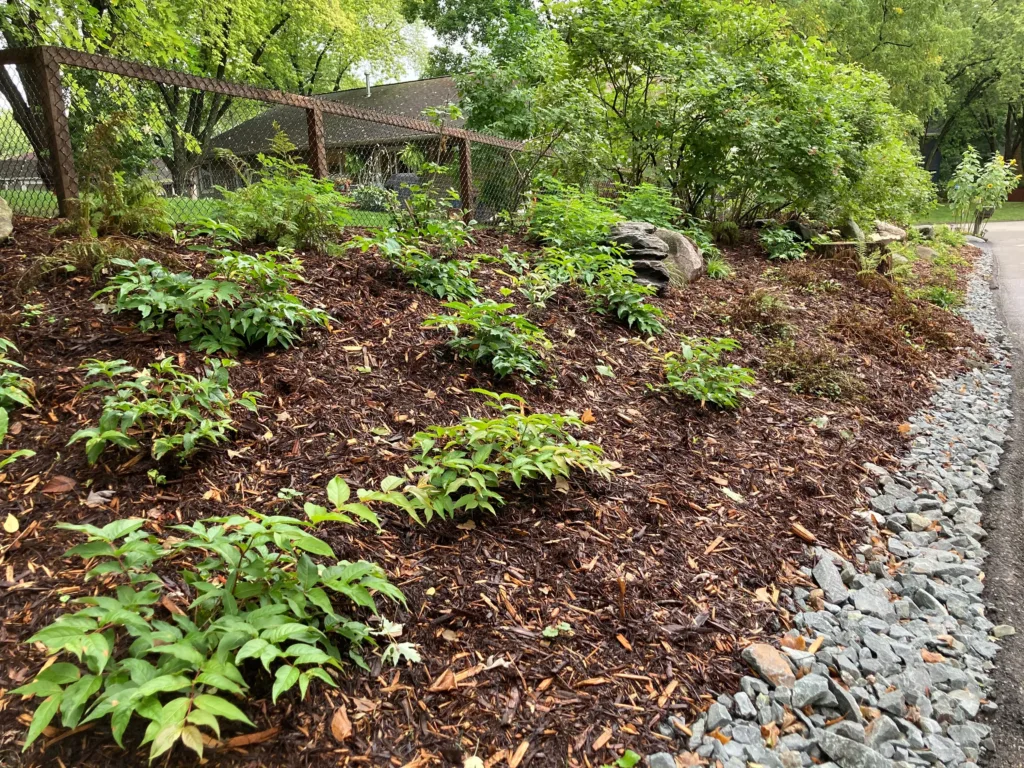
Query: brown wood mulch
<point x="663" y="573"/>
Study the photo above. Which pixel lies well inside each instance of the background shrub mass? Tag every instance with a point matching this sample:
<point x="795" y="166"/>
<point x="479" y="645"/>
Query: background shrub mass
<point x="773" y="121"/>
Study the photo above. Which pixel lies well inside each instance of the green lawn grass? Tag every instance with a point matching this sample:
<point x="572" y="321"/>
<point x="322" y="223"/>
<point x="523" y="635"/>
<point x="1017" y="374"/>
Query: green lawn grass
<point x="942" y="214"/>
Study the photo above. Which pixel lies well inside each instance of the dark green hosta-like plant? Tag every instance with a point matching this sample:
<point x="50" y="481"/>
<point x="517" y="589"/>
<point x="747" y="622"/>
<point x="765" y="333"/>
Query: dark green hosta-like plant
<point x="254" y="602"/>
<point x="176" y="410"/>
<point x="243" y="302"/>
<point x="446" y="279"/>
<point x="15" y="391"/>
<point x="608" y="281"/>
<point x="487" y="332"/>
<point x="462" y="467"/>
<point x="615" y="293"/>
<point x="695" y="372"/>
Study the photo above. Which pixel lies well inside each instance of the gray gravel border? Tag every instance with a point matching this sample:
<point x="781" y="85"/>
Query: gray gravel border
<point x="904" y="650"/>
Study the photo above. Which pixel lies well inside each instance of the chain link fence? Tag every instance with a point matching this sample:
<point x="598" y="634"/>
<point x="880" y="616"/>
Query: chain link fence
<point x="64" y="113"/>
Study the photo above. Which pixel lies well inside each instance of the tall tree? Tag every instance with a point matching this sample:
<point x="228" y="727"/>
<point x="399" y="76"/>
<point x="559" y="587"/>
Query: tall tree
<point x="310" y="46"/>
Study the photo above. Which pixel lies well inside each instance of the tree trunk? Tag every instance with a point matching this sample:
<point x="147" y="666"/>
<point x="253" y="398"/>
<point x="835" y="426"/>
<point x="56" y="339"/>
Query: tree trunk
<point x="27" y="110"/>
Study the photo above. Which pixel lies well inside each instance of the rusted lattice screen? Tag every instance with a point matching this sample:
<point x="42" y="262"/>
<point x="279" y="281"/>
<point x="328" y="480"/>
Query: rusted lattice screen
<point x="67" y="118"/>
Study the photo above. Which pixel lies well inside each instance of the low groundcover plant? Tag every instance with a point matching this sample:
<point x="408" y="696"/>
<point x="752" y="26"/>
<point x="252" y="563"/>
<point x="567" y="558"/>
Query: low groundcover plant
<point x="249" y="601"/>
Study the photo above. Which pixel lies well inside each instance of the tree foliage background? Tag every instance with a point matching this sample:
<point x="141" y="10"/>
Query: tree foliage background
<point x="310" y="46"/>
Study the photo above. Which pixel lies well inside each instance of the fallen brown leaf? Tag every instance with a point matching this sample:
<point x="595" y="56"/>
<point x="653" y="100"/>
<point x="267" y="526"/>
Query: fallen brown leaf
<point x="444" y="682"/>
<point x="689" y="760"/>
<point x="341" y="726"/>
<point x="60" y="484"/>
<point x="798" y="643"/>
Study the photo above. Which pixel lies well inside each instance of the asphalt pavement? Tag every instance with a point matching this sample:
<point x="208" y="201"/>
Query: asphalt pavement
<point x="1004" y="515"/>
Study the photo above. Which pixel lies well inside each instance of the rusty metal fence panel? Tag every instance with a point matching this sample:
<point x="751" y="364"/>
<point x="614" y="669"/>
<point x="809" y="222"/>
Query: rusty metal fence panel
<point x="194" y="137"/>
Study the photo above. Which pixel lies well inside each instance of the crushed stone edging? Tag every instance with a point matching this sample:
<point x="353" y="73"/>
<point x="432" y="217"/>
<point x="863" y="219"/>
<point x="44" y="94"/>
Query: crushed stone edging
<point x="899" y="677"/>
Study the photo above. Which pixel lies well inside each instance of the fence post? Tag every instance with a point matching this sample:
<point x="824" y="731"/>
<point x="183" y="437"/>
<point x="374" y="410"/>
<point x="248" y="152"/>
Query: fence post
<point x="317" y="150"/>
<point x="62" y="156"/>
<point x="466" y="180"/>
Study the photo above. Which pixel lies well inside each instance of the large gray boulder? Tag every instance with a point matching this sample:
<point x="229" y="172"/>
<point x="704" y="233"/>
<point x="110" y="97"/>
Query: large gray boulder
<point x="638" y="240"/>
<point x="684" y="261"/>
<point x="804" y="231"/>
<point x="887" y="230"/>
<point x="6" y="219"/>
<point x="660" y="257"/>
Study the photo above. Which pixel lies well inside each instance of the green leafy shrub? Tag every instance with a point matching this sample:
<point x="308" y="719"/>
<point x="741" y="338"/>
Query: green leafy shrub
<point x="372" y="197"/>
<point x="445" y="279"/>
<point x="462" y="467"/>
<point x="537" y="288"/>
<point x="113" y="199"/>
<point x="941" y="296"/>
<point x="948" y="236"/>
<point x="15" y="391"/>
<point x="650" y="203"/>
<point x="567" y="217"/>
<point x="817" y="370"/>
<point x="615" y="293"/>
<point x="975" y="190"/>
<point x="695" y="372"/>
<point x="487" y="332"/>
<point x="255" y="594"/>
<point x="782" y="244"/>
<point x="177" y="411"/>
<point x="725" y="232"/>
<point x="425" y="210"/>
<point x="608" y="282"/>
<point x="717" y="267"/>
<point x="282" y="203"/>
<point x="243" y="302"/>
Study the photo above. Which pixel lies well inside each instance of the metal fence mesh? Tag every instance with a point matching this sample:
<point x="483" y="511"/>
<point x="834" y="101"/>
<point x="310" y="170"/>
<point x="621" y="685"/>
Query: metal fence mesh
<point x="26" y="179"/>
<point x="191" y="139"/>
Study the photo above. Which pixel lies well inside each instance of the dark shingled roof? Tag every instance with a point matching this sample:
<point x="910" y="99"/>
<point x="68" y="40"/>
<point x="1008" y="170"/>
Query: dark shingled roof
<point x="409" y="99"/>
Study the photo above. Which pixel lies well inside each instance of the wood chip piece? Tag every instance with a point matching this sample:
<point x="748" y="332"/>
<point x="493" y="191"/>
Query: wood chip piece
<point x="518" y="755"/>
<point x="803" y="533"/>
<point x="601" y="740"/>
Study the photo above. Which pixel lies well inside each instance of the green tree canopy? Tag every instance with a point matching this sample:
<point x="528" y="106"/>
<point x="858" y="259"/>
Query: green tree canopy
<point x="719" y="101"/>
<point x="310" y="46"/>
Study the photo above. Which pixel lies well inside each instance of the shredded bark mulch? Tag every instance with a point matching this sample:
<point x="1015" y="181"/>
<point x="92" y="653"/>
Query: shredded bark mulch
<point x="663" y="573"/>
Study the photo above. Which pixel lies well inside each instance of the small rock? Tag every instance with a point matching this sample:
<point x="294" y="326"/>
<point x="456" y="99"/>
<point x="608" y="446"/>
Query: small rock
<point x="880" y="731"/>
<point x="874" y="601"/>
<point x="811" y="689"/>
<point x="849" y="754"/>
<point x="744" y="706"/>
<point x="771" y="665"/>
<point x="717" y="716"/>
<point x="831" y="582"/>
<point x="1003" y="630"/>
<point x="918" y="522"/>
<point x="6" y="220"/>
<point x="661" y="760"/>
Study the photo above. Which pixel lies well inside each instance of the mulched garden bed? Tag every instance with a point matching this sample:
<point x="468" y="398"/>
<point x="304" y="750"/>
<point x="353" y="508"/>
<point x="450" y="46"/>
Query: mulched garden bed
<point x="663" y="573"/>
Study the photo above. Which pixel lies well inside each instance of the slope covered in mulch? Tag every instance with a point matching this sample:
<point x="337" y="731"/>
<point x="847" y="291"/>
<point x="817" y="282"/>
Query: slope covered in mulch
<point x="663" y="572"/>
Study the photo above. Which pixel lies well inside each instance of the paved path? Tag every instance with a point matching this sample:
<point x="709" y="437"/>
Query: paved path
<point x="1004" y="515"/>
